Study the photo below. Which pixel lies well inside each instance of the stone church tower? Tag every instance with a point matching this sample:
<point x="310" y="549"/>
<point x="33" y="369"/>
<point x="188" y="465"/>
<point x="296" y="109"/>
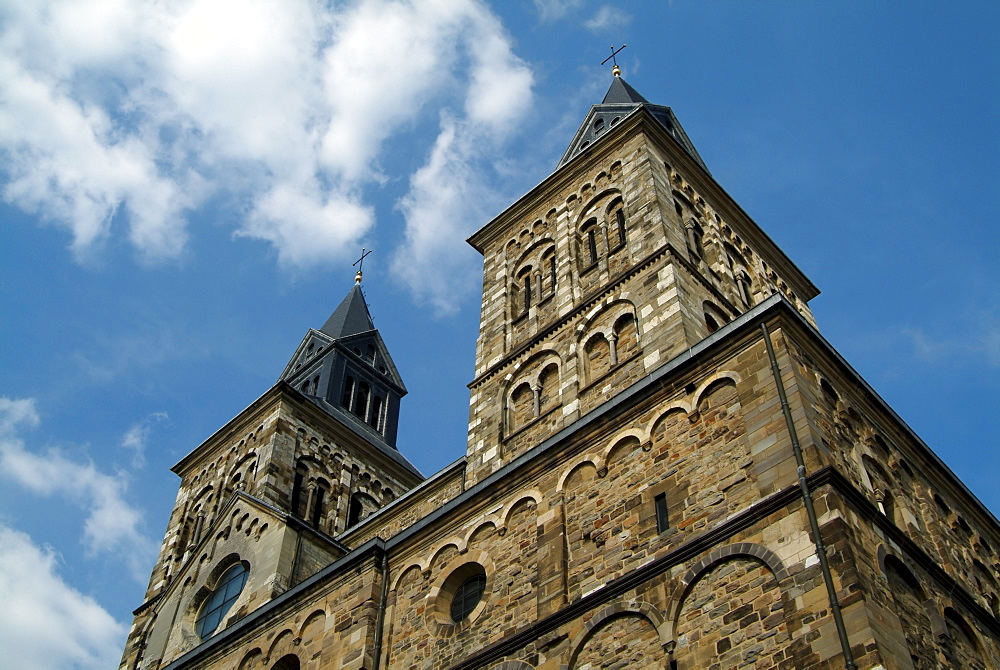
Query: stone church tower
<point x="667" y="467"/>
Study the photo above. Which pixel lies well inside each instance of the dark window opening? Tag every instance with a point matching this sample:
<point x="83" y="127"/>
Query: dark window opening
<point x="360" y="408"/>
<point x="592" y="246"/>
<point x="552" y="274"/>
<point x="662" y="517"/>
<point x="467" y="596"/>
<point x="297" y="492"/>
<point x="375" y="418"/>
<point x="355" y="511"/>
<point x="527" y="291"/>
<point x="712" y="324"/>
<point x="620" y="218"/>
<point x="317" y="510"/>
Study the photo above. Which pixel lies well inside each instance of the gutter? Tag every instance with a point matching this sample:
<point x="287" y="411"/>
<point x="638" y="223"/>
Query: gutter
<point x="838" y="617"/>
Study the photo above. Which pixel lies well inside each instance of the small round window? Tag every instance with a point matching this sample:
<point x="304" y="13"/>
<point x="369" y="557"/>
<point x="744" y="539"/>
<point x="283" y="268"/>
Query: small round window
<point x="221" y="599"/>
<point x="467" y="596"/>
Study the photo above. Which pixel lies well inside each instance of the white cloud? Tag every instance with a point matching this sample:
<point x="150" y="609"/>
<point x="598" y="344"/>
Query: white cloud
<point x="111" y="525"/>
<point x="446" y="199"/>
<point x="44" y="622"/>
<point x="551" y="10"/>
<point x="608" y="16"/>
<point x="136" y="438"/>
<point x="981" y="344"/>
<point x="125" y="116"/>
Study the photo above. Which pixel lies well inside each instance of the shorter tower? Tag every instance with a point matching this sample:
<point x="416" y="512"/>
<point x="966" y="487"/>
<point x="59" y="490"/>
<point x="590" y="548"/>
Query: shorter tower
<point x="261" y="500"/>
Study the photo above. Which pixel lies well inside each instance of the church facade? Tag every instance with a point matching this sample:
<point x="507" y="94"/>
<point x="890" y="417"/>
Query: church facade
<point x="667" y="467"/>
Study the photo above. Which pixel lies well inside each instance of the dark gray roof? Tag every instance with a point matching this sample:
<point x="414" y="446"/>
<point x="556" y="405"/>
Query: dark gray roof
<point x="621" y="93"/>
<point x="351" y="316"/>
<point x="620" y="101"/>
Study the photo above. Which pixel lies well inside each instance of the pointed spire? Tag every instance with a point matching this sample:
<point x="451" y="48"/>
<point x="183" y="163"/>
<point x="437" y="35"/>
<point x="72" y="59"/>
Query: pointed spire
<point x="351" y="316"/>
<point x="620" y="101"/>
<point x="620" y="93"/>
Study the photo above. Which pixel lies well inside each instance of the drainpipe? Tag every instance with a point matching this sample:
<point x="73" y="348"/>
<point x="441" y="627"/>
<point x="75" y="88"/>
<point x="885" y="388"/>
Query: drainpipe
<point x="807" y="500"/>
<point x="380" y="617"/>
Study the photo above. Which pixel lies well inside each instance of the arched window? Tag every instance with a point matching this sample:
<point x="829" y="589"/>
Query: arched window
<point x="715" y="318"/>
<point x="298" y="486"/>
<point x="360" y="508"/>
<point x="218" y="603"/>
<point x="549" y="268"/>
<point x="616" y="218"/>
<point x="319" y="499"/>
<point x="526" y="278"/>
<point x="598" y="126"/>
<point x="696" y="239"/>
<point x="589" y="253"/>
<point x="746" y="287"/>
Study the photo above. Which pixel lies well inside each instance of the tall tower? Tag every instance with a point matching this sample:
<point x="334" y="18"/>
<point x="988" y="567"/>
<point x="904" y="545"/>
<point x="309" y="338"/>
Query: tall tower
<point x="311" y="457"/>
<point x="625" y="258"/>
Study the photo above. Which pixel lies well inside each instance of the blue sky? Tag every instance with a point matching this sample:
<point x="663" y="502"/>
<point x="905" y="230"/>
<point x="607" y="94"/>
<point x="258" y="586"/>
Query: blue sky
<point x="184" y="185"/>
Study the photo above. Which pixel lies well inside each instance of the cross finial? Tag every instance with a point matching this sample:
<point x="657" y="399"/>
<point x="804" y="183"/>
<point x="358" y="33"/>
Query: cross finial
<point x="360" y="263"/>
<point x="616" y="71"/>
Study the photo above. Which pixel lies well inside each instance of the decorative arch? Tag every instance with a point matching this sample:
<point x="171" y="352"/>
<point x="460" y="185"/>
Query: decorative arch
<point x="475" y="529"/>
<point x="457" y="543"/>
<point x="963" y="648"/>
<point x="512" y="665"/>
<point x="251" y="659"/>
<point x="759" y="574"/>
<point x="532" y="388"/>
<point x="706" y="563"/>
<point x="633" y="433"/>
<point x="715" y="317"/>
<point x="416" y="568"/>
<point x="609" y="614"/>
<point x="596" y="462"/>
<point x="317" y="616"/>
<point x="533" y="495"/>
<point x="714" y="380"/>
<point x="591" y="207"/>
<point x="282" y="641"/>
<point x="607" y="337"/>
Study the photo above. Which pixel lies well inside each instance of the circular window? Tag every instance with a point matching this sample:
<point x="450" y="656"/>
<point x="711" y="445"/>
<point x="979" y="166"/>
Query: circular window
<point x="467" y="596"/>
<point x="221" y="599"/>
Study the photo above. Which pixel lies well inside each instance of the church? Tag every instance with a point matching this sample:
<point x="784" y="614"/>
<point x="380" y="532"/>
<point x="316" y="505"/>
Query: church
<point x="667" y="466"/>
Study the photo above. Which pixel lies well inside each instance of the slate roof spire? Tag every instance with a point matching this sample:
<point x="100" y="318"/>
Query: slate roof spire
<point x="620" y="101"/>
<point x="351" y="316"/>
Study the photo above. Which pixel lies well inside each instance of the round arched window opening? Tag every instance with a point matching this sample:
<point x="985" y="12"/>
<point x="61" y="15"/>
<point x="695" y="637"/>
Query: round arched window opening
<point x="467" y="596"/>
<point x="218" y="603"/>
